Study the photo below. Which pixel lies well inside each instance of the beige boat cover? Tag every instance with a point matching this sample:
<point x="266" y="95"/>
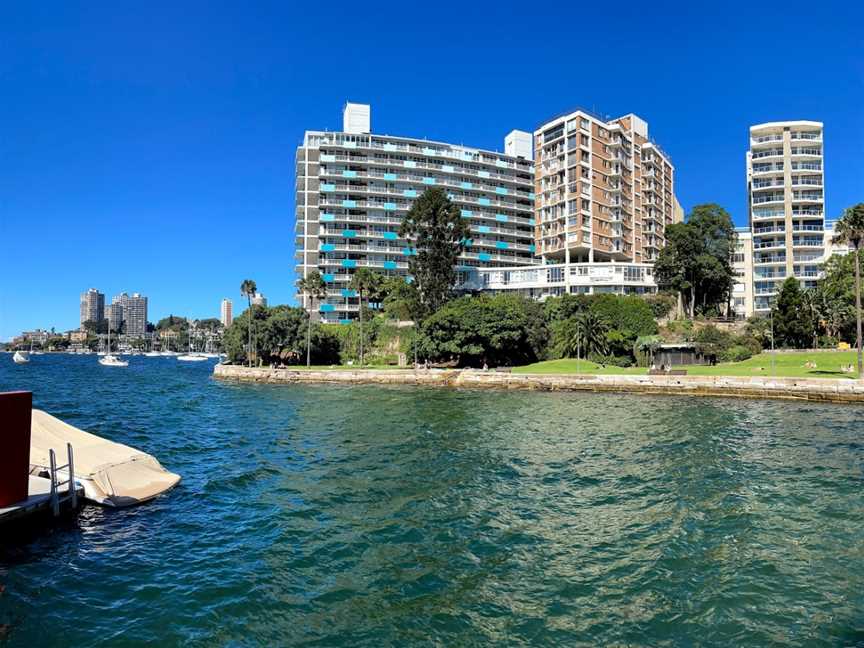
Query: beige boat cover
<point x="112" y="474"/>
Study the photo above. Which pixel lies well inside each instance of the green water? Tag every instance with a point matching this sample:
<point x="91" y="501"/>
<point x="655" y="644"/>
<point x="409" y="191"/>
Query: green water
<point x="370" y="516"/>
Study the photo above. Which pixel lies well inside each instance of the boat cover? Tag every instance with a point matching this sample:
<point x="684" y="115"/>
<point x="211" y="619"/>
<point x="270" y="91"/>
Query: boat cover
<point x="112" y="474"/>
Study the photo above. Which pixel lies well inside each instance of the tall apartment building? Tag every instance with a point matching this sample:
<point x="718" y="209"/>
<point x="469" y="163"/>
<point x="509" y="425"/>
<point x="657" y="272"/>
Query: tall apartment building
<point x="92" y="307"/>
<point x="786" y="200"/>
<point x="114" y="314"/>
<point x="133" y="312"/>
<point x="225" y="312"/>
<point x="354" y="187"/>
<point x="605" y="191"/>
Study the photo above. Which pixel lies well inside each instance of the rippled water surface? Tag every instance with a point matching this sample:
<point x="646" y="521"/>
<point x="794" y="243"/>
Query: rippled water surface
<point x="371" y="516"/>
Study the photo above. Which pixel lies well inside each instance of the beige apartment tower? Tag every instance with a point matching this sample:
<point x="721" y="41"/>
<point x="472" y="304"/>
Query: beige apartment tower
<point x="604" y="191"/>
<point x="786" y="200"/>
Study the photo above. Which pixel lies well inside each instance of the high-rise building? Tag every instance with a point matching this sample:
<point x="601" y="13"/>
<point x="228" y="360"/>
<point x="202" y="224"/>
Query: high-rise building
<point x="225" y="313"/>
<point x="605" y="191"/>
<point x="354" y="187"/>
<point x="114" y="314"/>
<point x="135" y="314"/>
<point x="92" y="308"/>
<point x="786" y="201"/>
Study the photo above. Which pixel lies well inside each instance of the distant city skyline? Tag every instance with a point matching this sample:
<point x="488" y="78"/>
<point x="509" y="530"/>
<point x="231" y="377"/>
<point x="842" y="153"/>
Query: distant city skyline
<point x="174" y="172"/>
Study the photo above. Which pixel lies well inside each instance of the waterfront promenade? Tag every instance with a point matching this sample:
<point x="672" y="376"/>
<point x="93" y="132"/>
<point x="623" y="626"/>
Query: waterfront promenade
<point x="821" y="389"/>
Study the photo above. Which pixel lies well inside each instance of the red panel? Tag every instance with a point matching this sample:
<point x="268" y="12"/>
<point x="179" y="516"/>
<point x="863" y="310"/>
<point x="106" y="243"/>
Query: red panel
<point x="15" y="411"/>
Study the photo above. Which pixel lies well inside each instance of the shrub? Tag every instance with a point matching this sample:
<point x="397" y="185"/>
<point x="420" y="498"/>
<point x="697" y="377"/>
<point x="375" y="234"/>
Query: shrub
<point x="736" y="353"/>
<point x="661" y="304"/>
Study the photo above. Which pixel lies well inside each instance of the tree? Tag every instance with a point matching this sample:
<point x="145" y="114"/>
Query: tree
<point x="436" y="235"/>
<point x="792" y="325"/>
<point x="697" y="260"/>
<point x="316" y="289"/>
<point x="588" y="335"/>
<point x="367" y="283"/>
<point x="248" y="288"/>
<point x="494" y="329"/>
<point x="850" y="230"/>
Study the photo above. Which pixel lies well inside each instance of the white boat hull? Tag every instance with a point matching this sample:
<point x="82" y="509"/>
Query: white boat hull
<point x="191" y="358"/>
<point x="113" y="361"/>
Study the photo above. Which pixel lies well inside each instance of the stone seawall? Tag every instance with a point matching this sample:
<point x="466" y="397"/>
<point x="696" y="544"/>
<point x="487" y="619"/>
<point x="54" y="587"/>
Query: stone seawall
<point x="823" y="389"/>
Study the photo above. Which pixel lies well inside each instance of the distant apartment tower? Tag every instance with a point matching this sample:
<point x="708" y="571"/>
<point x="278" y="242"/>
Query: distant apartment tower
<point x="134" y="312"/>
<point x="605" y="191"/>
<point x="114" y="314"/>
<point x="92" y="308"/>
<point x="354" y="188"/>
<point x="786" y="201"/>
<point x="225" y="313"/>
<point x="259" y="300"/>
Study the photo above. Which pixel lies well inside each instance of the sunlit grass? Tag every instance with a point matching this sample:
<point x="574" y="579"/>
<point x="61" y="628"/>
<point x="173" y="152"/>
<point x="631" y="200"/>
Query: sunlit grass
<point x="784" y="365"/>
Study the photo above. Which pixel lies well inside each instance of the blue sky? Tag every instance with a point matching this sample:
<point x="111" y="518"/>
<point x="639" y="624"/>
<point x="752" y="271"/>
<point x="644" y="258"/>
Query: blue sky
<point x="150" y="148"/>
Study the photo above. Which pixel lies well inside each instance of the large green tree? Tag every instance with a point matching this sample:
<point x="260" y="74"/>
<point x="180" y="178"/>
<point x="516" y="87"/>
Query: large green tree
<point x="369" y="286"/>
<point x="436" y="235"/>
<point x="793" y="327"/>
<point x="248" y="288"/>
<point x="315" y="289"/>
<point x="850" y="230"/>
<point x="697" y="260"/>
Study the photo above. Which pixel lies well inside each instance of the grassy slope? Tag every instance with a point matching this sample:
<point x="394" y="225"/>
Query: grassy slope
<point x="789" y="365"/>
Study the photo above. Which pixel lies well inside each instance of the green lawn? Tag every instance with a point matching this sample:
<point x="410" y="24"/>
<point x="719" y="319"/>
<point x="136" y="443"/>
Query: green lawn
<point x="786" y="365"/>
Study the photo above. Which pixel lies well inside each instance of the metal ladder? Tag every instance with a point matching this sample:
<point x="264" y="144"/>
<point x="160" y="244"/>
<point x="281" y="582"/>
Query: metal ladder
<point x="57" y="483"/>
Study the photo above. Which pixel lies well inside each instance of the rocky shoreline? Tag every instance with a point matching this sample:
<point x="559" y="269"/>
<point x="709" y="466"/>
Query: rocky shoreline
<point x="821" y="390"/>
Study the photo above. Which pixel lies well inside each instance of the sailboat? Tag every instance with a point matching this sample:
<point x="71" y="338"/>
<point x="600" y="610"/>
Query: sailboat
<point x="190" y="356"/>
<point x="109" y="360"/>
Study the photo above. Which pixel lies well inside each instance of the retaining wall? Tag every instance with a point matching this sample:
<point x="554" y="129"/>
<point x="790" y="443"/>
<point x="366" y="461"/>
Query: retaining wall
<point x="823" y="389"/>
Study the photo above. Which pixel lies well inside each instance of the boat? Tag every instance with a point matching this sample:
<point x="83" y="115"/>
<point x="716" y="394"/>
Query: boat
<point x="21" y="357"/>
<point x="192" y="357"/>
<point x="112" y="361"/>
<point x="109" y="360"/>
<point x="112" y="474"/>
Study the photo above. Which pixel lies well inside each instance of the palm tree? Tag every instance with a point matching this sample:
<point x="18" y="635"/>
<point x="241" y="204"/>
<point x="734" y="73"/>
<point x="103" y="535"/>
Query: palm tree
<point x="850" y="230"/>
<point x="248" y="289"/>
<point x="368" y="282"/>
<point x="589" y="335"/>
<point x="315" y="288"/>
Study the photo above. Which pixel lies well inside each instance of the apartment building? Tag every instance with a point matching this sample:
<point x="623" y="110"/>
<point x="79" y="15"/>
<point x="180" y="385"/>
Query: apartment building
<point x="226" y="315"/>
<point x="605" y="191"/>
<point x="132" y="312"/>
<point x="354" y="187"/>
<point x="742" y="265"/>
<point x="92" y="307"/>
<point x="786" y="201"/>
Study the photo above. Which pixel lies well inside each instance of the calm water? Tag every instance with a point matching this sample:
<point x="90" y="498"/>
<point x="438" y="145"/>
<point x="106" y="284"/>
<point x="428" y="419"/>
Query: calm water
<point x="371" y="516"/>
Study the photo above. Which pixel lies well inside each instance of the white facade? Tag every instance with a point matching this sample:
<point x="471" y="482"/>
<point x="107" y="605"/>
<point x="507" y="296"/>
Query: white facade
<point x="786" y="201"/>
<point x="353" y="190"/>
<point x="519" y="144"/>
<point x="357" y="118"/>
<point x="540" y="282"/>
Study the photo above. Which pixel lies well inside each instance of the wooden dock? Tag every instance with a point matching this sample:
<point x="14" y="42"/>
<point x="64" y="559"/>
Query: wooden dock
<point x="41" y="500"/>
